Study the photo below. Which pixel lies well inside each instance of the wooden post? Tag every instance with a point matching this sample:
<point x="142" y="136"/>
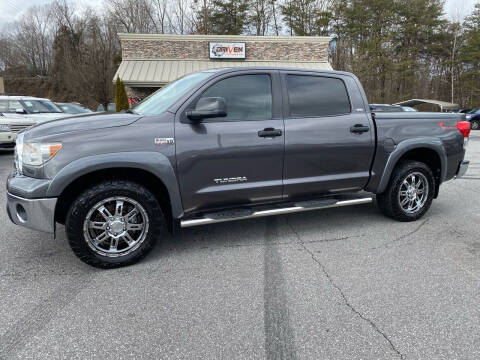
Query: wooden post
<point x="2" y="88"/>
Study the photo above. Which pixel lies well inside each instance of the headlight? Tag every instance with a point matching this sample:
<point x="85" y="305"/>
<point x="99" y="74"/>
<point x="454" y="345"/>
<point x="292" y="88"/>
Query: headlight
<point x="4" y="127"/>
<point x="37" y="154"/>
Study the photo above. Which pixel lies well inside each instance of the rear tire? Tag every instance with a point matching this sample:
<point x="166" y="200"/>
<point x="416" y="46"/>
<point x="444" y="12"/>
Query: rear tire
<point x="114" y="224"/>
<point x="409" y="193"/>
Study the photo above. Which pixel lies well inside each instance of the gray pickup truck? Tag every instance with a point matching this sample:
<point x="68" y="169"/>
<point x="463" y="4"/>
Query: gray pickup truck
<point x="227" y="144"/>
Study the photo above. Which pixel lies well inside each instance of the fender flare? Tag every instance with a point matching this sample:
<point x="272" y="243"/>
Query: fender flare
<point x="153" y="162"/>
<point x="412" y="144"/>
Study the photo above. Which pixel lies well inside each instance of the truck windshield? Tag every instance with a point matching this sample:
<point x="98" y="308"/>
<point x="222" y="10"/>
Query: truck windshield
<point x="162" y="99"/>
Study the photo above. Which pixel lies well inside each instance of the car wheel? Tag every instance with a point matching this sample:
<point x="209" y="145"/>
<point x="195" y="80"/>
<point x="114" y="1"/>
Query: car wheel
<point x="474" y="125"/>
<point x="113" y="224"/>
<point x="409" y="193"/>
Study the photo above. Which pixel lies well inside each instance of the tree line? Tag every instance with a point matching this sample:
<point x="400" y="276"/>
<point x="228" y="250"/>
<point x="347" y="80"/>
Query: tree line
<point x="399" y="49"/>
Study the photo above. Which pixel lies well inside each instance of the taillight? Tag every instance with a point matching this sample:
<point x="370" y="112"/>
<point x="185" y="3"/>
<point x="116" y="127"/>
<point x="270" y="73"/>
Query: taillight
<point x="464" y="128"/>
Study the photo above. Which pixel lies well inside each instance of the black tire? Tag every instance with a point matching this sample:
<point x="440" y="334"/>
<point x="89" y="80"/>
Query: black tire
<point x="389" y="201"/>
<point x="84" y="205"/>
<point x="474" y="125"/>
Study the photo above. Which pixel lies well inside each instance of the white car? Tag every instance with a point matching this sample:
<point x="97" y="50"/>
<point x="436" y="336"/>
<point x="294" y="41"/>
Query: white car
<point x="10" y="126"/>
<point x="38" y="109"/>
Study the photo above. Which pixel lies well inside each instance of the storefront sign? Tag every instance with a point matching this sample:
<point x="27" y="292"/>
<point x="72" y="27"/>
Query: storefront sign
<point x="227" y="50"/>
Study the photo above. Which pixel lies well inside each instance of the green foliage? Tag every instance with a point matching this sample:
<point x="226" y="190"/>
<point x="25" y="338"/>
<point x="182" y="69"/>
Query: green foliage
<point x="470" y="55"/>
<point x="396" y="47"/>
<point x="229" y="17"/>
<point x="305" y="17"/>
<point x="121" y="99"/>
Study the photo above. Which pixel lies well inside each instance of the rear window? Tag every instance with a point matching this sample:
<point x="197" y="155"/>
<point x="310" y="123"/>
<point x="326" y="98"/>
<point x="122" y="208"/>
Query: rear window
<point x="317" y="96"/>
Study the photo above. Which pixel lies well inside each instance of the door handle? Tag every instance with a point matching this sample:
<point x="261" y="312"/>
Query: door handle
<point x="269" y="133"/>
<point x="359" y="129"/>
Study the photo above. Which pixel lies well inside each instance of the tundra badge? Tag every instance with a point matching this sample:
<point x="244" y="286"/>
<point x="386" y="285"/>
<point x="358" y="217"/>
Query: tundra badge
<point x="230" y="180"/>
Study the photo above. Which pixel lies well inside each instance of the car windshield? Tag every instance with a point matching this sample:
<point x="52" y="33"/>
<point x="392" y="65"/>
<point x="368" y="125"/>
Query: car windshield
<point x="162" y="99"/>
<point x="40" y="106"/>
<point x="73" y="109"/>
<point x="475" y="111"/>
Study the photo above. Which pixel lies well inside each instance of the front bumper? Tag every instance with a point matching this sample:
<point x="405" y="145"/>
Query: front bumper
<point x="462" y="169"/>
<point x="7" y="139"/>
<point x="36" y="214"/>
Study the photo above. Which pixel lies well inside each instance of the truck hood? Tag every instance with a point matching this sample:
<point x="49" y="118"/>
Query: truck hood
<point x="81" y="123"/>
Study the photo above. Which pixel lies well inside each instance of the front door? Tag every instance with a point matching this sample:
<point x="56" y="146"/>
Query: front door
<point x="329" y="137"/>
<point x="238" y="159"/>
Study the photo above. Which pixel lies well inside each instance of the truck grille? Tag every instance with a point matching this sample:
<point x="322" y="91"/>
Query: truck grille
<point x="18" y="128"/>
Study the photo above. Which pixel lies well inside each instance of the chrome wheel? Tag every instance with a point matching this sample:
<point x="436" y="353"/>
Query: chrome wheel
<point x="474" y="125"/>
<point x="115" y="226"/>
<point x="413" y="193"/>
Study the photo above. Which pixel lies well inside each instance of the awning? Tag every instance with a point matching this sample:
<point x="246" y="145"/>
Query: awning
<point x="443" y="104"/>
<point x="141" y="72"/>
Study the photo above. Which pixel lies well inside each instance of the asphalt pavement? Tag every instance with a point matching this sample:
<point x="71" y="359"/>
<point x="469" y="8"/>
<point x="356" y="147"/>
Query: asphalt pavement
<point x="344" y="283"/>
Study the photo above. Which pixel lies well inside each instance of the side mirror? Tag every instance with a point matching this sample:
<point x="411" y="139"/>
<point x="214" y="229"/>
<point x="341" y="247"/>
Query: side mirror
<point x="20" y="111"/>
<point x="210" y="107"/>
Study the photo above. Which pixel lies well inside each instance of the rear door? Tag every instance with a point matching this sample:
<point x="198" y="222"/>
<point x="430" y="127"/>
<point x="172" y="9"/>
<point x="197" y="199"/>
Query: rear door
<point x="329" y="137"/>
<point x="236" y="160"/>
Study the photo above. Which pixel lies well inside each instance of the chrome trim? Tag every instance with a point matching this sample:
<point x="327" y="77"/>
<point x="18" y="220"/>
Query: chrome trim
<point x="116" y="226"/>
<point x="287" y="210"/>
<point x="39" y="213"/>
<point x="462" y="170"/>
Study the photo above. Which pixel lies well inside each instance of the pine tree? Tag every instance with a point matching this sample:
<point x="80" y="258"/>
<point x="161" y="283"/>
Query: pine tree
<point x="229" y="17"/>
<point x="305" y="17"/>
<point x="470" y="55"/>
<point x="121" y="99"/>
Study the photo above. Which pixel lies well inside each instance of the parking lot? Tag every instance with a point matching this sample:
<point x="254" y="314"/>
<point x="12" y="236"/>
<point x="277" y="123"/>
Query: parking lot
<point x="344" y="283"/>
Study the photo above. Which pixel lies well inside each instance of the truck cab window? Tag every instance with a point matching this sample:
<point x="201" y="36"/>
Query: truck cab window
<point x="317" y="96"/>
<point x="248" y="97"/>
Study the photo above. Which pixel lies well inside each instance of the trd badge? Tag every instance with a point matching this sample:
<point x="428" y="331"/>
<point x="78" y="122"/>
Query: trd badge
<point x="164" y="141"/>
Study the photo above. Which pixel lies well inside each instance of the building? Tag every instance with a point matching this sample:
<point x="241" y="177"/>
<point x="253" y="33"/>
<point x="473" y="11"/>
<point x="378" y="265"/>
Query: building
<point x="150" y="61"/>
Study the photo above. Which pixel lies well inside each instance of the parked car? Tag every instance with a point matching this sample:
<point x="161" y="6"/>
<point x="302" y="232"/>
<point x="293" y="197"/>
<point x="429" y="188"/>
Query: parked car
<point x="38" y="109"/>
<point x="110" y="108"/>
<point x="10" y="126"/>
<point x="73" y="108"/>
<point x="408" y="108"/>
<point x="386" y="108"/>
<point x="463" y="111"/>
<point x="228" y="144"/>
<point x="474" y="118"/>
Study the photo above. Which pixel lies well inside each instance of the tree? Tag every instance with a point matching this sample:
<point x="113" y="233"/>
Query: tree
<point x="121" y="99"/>
<point x="306" y="17"/>
<point x="470" y="55"/>
<point x="229" y="17"/>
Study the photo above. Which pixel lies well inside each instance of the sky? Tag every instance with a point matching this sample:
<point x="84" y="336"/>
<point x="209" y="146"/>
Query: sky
<point x="10" y="10"/>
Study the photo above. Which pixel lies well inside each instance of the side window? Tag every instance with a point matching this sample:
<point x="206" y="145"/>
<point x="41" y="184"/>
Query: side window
<point x="316" y="96"/>
<point x="3" y="106"/>
<point x="10" y="106"/>
<point x="14" y="105"/>
<point x="248" y="97"/>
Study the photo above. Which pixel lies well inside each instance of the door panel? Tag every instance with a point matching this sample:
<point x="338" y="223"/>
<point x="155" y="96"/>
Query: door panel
<point x="322" y="155"/>
<point x="229" y="163"/>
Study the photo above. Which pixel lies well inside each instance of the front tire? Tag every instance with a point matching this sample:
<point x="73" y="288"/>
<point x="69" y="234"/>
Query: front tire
<point x="114" y="224"/>
<point x="409" y="193"/>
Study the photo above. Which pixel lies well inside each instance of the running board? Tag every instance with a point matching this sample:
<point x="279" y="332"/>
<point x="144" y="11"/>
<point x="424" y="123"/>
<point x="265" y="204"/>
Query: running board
<point x="250" y="214"/>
